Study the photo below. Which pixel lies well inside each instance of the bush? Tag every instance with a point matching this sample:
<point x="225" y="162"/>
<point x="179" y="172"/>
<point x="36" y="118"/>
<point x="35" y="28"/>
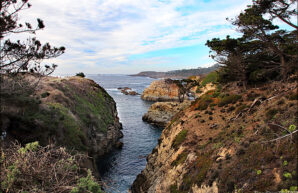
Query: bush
<point x="241" y="108"/>
<point x="212" y="77"/>
<point x="42" y="169"/>
<point x="87" y="184"/>
<point x="180" y="159"/>
<point x="271" y="113"/>
<point x="180" y="138"/>
<point x="203" y="102"/>
<point x="45" y="94"/>
<point x="81" y="74"/>
<point x="229" y="99"/>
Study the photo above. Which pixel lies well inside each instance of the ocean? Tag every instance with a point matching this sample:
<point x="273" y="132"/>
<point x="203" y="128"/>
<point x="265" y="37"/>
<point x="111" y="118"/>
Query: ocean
<point x="120" y="168"/>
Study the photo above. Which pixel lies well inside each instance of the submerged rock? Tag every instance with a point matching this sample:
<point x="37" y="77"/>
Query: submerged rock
<point x="128" y="91"/>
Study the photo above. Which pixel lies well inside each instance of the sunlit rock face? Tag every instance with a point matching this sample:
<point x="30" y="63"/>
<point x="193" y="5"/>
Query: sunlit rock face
<point x="160" y="113"/>
<point x="161" y="90"/>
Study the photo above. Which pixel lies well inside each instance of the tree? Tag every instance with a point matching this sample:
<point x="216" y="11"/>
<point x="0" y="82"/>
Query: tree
<point x="184" y="86"/>
<point x="254" y="26"/>
<point x="281" y="9"/>
<point x="81" y="74"/>
<point x="233" y="54"/>
<point x="22" y="56"/>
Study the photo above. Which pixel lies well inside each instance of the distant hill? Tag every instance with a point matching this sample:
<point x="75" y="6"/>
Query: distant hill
<point x="184" y="73"/>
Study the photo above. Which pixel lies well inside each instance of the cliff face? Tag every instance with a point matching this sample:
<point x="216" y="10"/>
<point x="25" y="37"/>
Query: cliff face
<point x="161" y="90"/>
<point x="160" y="113"/>
<point x="227" y="142"/>
<point x="73" y="112"/>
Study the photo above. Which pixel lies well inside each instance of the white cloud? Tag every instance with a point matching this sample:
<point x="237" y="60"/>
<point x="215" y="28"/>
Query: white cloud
<point x="101" y="33"/>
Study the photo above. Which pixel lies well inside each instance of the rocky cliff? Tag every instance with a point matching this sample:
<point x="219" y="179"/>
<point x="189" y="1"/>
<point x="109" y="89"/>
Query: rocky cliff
<point x="160" y="113"/>
<point x="228" y="141"/>
<point x="161" y="90"/>
<point x="72" y="112"/>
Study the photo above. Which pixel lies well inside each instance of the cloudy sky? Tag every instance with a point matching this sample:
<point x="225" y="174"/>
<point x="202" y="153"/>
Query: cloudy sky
<point x="128" y="36"/>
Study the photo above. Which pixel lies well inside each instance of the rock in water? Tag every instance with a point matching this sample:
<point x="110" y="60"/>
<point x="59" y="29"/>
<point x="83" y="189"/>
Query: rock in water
<point x="160" y="113"/>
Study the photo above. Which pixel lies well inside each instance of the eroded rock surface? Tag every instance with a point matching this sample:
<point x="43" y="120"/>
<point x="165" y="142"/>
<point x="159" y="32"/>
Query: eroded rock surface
<point x="161" y="90"/>
<point x="160" y="113"/>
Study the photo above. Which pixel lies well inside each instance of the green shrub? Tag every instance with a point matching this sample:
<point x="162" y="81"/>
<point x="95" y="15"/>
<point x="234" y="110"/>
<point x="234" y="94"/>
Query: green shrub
<point x="229" y="99"/>
<point x="292" y="128"/>
<point x="241" y="108"/>
<point x="180" y="138"/>
<point x="174" y="188"/>
<point x="180" y="159"/>
<point x="271" y="113"/>
<point x="45" y="94"/>
<point x="81" y="74"/>
<point x="87" y="184"/>
<point x="212" y="77"/>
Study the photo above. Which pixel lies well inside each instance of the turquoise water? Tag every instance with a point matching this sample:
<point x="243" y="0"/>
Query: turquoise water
<point x="120" y="168"/>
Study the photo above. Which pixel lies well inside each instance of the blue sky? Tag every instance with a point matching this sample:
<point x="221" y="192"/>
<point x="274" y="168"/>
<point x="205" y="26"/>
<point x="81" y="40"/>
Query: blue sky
<point x="129" y="36"/>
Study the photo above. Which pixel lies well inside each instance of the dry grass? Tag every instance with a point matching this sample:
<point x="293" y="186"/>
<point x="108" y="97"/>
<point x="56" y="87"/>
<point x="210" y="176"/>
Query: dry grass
<point x="40" y="169"/>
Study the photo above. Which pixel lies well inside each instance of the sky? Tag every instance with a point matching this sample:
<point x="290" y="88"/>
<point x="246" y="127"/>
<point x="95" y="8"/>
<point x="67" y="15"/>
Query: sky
<point x="129" y="36"/>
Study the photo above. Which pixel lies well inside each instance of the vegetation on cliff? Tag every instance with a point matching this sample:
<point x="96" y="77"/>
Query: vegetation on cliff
<point x="264" y="52"/>
<point x="242" y="135"/>
<point x="34" y="168"/>
<point x="75" y="114"/>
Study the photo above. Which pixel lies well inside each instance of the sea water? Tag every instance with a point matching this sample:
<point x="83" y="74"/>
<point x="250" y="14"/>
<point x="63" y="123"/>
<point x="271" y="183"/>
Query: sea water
<point x="120" y="168"/>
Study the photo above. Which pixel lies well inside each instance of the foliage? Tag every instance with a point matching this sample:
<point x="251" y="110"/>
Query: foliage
<point x="22" y="59"/>
<point x="184" y="86"/>
<point x="87" y="184"/>
<point x="42" y="169"/>
<point x="292" y="128"/>
<point x="229" y="99"/>
<point x="22" y="56"/>
<point x="287" y="175"/>
<point x="264" y="52"/>
<point x="180" y="138"/>
<point x="180" y="159"/>
<point x="212" y="77"/>
<point x="45" y="94"/>
<point x="270" y="113"/>
<point x="80" y="74"/>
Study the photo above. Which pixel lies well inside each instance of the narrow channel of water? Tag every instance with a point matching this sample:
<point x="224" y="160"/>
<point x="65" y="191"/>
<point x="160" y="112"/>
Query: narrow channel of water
<point x="120" y="168"/>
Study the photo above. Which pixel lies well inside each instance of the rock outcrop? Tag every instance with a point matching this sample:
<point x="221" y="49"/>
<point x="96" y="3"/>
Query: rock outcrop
<point x="225" y="142"/>
<point x="72" y="112"/>
<point x="161" y="90"/>
<point x="160" y="113"/>
<point x="128" y="91"/>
